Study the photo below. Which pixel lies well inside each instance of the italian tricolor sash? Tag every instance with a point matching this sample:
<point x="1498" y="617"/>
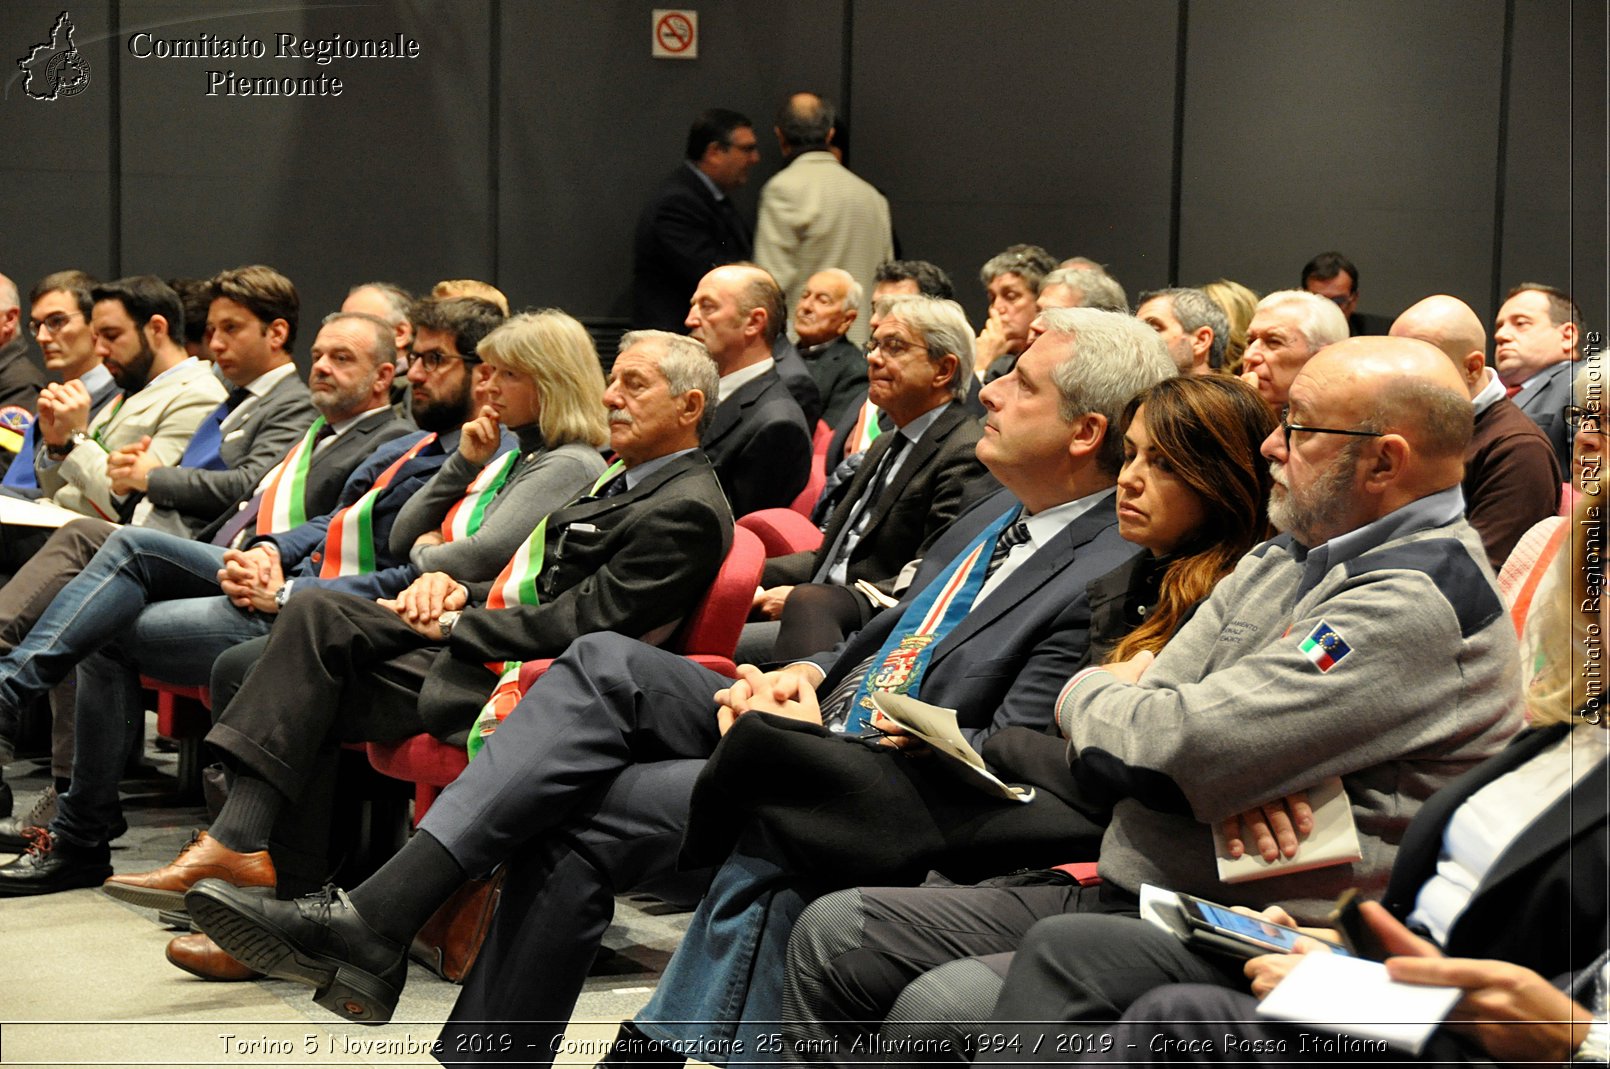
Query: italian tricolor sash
<point x="284" y="503"/>
<point x="349" y="545"/>
<point x="466" y="516"/>
<point x="516" y="585"/>
<point x="866" y="430"/>
<point x="899" y="665"/>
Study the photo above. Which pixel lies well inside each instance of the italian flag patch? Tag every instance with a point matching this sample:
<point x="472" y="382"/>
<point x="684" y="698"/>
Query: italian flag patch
<point x="1324" y="647"/>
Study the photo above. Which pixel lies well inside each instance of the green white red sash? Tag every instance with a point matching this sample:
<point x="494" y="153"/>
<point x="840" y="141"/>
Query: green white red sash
<point x="516" y="585"/>
<point x="284" y="503"/>
<point x="349" y="545"/>
<point x="865" y="432"/>
<point x="467" y="515"/>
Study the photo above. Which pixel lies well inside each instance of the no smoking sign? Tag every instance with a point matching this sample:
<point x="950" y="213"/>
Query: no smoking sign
<point x="675" y="33"/>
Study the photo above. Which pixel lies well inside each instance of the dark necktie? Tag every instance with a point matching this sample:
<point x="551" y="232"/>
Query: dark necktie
<point x="1014" y="535"/>
<point x="861" y="511"/>
<point x="205" y="445"/>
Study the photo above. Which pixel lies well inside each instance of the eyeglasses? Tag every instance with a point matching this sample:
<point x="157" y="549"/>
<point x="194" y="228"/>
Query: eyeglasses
<point x="436" y="359"/>
<point x="52" y="323"/>
<point x="892" y="348"/>
<point x="1584" y="419"/>
<point x="1287" y="426"/>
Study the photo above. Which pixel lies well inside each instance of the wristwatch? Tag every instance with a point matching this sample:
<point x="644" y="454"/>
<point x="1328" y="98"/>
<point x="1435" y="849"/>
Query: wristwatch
<point x="283" y="593"/>
<point x="446" y="621"/>
<point x="74" y="440"/>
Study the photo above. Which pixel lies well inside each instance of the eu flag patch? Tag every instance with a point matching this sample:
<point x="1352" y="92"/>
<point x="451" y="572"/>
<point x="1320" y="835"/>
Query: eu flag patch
<point x="1324" y="647"/>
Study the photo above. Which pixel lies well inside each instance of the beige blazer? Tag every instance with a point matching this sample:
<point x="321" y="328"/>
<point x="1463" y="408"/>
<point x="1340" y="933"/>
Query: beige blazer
<point x="815" y="213"/>
<point x="169" y="410"/>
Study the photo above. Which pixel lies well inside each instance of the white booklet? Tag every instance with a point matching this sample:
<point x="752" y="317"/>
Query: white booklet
<point x="937" y="727"/>
<point x="1334" y="841"/>
<point x="1356" y="998"/>
<point x="20" y="513"/>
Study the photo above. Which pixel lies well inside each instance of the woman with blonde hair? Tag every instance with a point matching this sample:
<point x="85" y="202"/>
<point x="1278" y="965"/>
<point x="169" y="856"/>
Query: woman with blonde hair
<point x="532" y="448"/>
<point x="1238" y="303"/>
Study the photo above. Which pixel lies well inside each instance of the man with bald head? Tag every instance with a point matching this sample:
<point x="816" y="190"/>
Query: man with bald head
<point x="1365" y="642"/>
<point x="20" y="378"/>
<point x="759" y="442"/>
<point x="1512" y="478"/>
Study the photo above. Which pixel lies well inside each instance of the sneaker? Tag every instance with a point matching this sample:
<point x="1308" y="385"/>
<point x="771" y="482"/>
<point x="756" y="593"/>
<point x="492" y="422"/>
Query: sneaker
<point x="14" y="830"/>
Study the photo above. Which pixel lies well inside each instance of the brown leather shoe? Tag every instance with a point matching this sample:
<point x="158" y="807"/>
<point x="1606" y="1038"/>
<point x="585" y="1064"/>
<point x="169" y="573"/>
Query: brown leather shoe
<point x="202" y="858"/>
<point x="199" y="956"/>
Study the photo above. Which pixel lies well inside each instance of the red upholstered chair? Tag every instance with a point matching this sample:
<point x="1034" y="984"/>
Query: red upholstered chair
<point x="782" y="531"/>
<point x="183" y="715"/>
<point x="708" y="637"/>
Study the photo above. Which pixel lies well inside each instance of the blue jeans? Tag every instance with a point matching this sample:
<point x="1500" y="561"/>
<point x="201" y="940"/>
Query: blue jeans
<point x="107" y="603"/>
<point x="722" y="991"/>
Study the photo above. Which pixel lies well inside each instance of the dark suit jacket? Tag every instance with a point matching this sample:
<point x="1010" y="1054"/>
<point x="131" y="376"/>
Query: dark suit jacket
<point x="927" y="493"/>
<point x="20" y="378"/>
<point x="839" y="369"/>
<point x="1511" y="478"/>
<point x="682" y="234"/>
<point x="799" y="380"/>
<point x="331" y="466"/>
<point x="1543" y="903"/>
<point x="1545" y="402"/>
<point x="760" y="446"/>
<point x="633" y="564"/>
<point x="272" y="425"/>
<point x="1002" y="665"/>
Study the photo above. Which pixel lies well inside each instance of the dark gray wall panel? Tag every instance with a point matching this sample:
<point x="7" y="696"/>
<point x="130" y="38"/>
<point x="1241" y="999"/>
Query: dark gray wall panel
<point x="1022" y="121"/>
<point x="388" y="180"/>
<point x="592" y="124"/>
<point x="1554" y="219"/>
<point x="55" y="210"/>
<point x="1368" y="126"/>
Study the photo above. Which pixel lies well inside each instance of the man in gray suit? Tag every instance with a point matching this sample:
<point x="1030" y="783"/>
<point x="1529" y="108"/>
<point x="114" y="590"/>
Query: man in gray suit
<point x="1534" y="345"/>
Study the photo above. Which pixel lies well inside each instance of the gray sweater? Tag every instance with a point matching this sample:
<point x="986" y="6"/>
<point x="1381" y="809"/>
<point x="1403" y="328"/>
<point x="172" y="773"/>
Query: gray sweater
<point x="542" y="481"/>
<point x="1233" y="713"/>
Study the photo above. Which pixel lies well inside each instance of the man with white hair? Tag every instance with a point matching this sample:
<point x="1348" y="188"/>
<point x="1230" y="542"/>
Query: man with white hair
<point x="829" y="304"/>
<point x="1287" y="328"/>
<point x="1082" y="287"/>
<point x="1512" y="478"/>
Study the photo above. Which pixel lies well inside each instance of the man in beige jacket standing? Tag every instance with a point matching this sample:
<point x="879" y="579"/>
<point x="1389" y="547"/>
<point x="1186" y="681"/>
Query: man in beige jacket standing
<point x="815" y="213"/>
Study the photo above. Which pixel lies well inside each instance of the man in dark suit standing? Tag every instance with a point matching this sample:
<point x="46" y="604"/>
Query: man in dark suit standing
<point x="759" y="441"/>
<point x="914" y="481"/>
<point x="585" y="788"/>
<point x="691" y="225"/>
<point x="1534" y="346"/>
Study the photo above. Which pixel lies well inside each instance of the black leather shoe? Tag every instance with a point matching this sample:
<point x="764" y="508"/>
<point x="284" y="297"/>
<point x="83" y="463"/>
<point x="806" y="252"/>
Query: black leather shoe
<point x="318" y="940"/>
<point x="52" y="865"/>
<point x="633" y="1048"/>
